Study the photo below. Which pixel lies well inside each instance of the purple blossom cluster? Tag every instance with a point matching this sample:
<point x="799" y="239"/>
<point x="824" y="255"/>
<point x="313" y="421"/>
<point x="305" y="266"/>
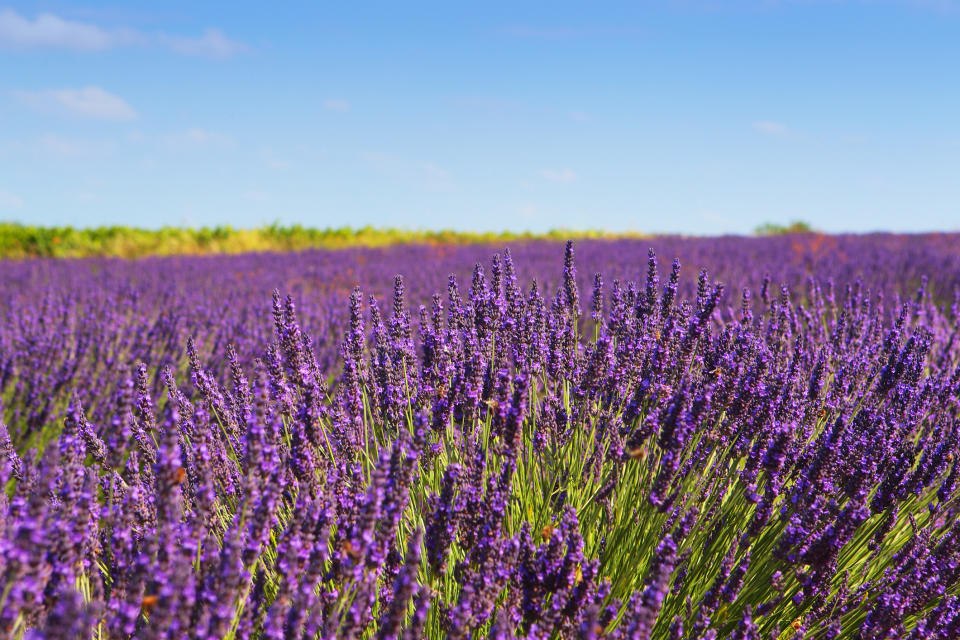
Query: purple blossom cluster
<point x="537" y="451"/>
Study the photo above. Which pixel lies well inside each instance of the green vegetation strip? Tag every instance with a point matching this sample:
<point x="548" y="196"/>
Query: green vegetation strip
<point x="28" y="241"/>
<point x="25" y="241"/>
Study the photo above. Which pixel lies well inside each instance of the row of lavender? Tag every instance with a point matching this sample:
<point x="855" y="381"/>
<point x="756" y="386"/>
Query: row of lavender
<point x="535" y="453"/>
<point x="74" y="323"/>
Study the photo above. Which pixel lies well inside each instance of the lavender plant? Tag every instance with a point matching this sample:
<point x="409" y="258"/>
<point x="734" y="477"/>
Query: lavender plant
<point x="666" y="458"/>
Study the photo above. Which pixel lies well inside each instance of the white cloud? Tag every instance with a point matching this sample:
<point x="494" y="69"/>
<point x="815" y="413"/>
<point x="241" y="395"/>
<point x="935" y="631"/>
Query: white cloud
<point x="275" y="161"/>
<point x="212" y="44"/>
<point x="9" y="201"/>
<point x="48" y="31"/>
<point x="770" y="128"/>
<point x="337" y="104"/>
<point x="558" y="175"/>
<point x="57" y="145"/>
<point x="89" y="102"/>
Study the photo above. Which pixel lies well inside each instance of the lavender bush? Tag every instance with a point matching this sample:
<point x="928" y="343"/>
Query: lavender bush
<point x="536" y="451"/>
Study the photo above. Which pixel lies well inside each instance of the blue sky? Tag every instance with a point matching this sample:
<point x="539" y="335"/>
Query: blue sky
<point x="693" y="116"/>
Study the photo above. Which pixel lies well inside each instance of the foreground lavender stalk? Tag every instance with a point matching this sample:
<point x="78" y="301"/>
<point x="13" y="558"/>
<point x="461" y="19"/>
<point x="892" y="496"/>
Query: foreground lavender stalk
<point x="669" y="463"/>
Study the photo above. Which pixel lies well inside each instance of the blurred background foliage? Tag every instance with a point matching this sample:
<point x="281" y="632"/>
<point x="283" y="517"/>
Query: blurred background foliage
<point x="28" y="241"/>
<point x="25" y="241"/>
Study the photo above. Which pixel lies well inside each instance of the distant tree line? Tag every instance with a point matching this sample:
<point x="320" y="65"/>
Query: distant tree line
<point x="774" y="229"/>
<point x="30" y="241"/>
<point x="27" y="241"/>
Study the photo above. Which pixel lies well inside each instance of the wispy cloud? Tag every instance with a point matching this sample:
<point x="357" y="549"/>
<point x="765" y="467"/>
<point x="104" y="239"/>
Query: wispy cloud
<point x="558" y="175"/>
<point x="9" y="201"/>
<point x="55" y="144"/>
<point x="579" y="116"/>
<point x="89" y="102"/>
<point x="275" y="162"/>
<point x="770" y="128"/>
<point x="212" y="44"/>
<point x="336" y="104"/>
<point x="49" y="31"/>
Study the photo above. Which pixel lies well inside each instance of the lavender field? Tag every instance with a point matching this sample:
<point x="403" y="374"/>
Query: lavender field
<point x="716" y="438"/>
